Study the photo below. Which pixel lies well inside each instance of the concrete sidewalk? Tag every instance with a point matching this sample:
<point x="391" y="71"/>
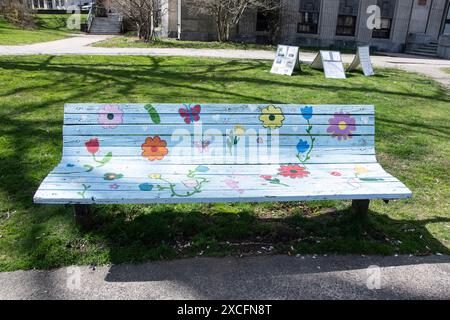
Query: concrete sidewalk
<point x="264" y="277"/>
<point x="80" y="45"/>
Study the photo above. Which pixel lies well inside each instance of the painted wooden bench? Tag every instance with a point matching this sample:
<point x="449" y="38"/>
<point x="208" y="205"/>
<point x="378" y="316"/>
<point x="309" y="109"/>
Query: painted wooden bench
<point x="176" y="153"/>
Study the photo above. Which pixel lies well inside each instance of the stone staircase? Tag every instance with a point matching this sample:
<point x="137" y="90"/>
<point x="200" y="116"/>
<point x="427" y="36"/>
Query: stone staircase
<point x="428" y="50"/>
<point x="112" y="24"/>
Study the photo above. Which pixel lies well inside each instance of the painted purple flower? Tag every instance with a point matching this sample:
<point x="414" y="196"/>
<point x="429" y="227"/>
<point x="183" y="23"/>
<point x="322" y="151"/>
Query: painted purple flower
<point x="110" y="116"/>
<point x="341" y="126"/>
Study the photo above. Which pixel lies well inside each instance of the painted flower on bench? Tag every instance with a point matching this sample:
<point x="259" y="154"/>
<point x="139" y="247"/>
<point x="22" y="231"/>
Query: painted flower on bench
<point x="110" y="116"/>
<point x="293" y="171"/>
<point x="93" y="146"/>
<point x="304" y="148"/>
<point x="342" y="126"/>
<point x="110" y="176"/>
<point x="272" y="117"/>
<point x="154" y="148"/>
<point x="307" y="112"/>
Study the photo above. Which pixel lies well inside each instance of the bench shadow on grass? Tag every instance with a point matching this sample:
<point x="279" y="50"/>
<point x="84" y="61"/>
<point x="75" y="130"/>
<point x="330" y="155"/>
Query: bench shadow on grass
<point x="339" y="232"/>
<point x="142" y="233"/>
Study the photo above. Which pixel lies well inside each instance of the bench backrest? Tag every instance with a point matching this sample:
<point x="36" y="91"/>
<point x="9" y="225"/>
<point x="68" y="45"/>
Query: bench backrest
<point x="219" y="133"/>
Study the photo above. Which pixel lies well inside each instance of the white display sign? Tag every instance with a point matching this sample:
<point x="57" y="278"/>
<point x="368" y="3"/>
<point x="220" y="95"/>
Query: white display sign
<point x="363" y="58"/>
<point x="286" y="60"/>
<point x="331" y="63"/>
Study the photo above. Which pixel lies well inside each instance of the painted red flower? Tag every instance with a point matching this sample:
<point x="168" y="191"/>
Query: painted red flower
<point x="336" y="173"/>
<point x="293" y="171"/>
<point x="92" y="146"/>
<point x="266" y="177"/>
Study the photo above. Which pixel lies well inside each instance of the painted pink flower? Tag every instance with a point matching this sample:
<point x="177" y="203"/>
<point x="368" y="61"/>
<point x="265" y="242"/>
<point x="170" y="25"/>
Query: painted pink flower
<point x="336" y="173"/>
<point x="110" y="116"/>
<point x="266" y="177"/>
<point x="114" y="186"/>
<point x="190" y="183"/>
<point x="341" y="126"/>
<point x="233" y="184"/>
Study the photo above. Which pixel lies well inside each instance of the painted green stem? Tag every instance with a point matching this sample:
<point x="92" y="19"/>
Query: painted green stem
<point x="311" y="147"/>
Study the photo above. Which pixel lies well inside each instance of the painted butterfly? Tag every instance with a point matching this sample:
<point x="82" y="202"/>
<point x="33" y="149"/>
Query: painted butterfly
<point x="203" y="146"/>
<point x="190" y="114"/>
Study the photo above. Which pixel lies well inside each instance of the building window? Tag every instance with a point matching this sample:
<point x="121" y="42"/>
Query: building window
<point x="309" y="16"/>
<point x="447" y="22"/>
<point x="347" y="17"/>
<point x="262" y="21"/>
<point x="387" y="14"/>
<point x="49" y="4"/>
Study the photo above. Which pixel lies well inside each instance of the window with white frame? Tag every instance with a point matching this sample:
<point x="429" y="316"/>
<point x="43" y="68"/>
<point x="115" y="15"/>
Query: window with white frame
<point x="387" y="14"/>
<point x="309" y="16"/>
<point x="446" y="30"/>
<point x="347" y="17"/>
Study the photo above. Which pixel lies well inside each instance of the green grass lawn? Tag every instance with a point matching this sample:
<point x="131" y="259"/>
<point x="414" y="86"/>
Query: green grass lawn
<point x="447" y="70"/>
<point x="48" y="27"/>
<point x="129" y="41"/>
<point x="412" y="140"/>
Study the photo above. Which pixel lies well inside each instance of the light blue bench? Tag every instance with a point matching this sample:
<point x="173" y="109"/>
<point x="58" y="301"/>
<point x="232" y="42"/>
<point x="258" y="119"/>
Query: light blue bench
<point x="176" y="153"/>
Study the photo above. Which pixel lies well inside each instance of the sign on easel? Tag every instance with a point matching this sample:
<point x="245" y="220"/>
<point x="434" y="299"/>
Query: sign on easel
<point x="286" y="60"/>
<point x="331" y="63"/>
<point x="363" y="58"/>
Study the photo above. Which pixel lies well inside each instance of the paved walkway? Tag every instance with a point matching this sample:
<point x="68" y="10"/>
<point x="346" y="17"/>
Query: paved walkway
<point x="264" y="277"/>
<point x="81" y="45"/>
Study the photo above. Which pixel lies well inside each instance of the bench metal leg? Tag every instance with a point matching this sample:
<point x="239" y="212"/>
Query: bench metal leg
<point x="360" y="207"/>
<point x="83" y="215"/>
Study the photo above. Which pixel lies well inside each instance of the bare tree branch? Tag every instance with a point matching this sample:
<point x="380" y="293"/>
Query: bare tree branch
<point x="228" y="13"/>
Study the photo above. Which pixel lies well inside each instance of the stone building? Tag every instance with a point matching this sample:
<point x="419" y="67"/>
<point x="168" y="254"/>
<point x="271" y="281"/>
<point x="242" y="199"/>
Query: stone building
<point x="417" y="26"/>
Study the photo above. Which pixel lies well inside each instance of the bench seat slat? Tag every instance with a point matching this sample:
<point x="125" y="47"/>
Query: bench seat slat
<point x="216" y="183"/>
<point x="142" y="162"/>
<point x="210" y="118"/>
<point x="193" y="151"/>
<point x="234" y="169"/>
<point x="369" y="191"/>
<point x="212" y="130"/>
<point x="136" y="141"/>
<point x="219" y="108"/>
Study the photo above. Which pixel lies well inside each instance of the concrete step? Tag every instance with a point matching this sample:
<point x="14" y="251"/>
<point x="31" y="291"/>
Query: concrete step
<point x="419" y="53"/>
<point x="425" y="50"/>
<point x="104" y="32"/>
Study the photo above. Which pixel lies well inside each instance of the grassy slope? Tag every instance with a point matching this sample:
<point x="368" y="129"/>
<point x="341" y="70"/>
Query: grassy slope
<point x="48" y="27"/>
<point x="412" y="123"/>
<point x="134" y="42"/>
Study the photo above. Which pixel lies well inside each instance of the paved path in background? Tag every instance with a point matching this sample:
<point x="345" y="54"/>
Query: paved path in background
<point x="81" y="45"/>
<point x="264" y="277"/>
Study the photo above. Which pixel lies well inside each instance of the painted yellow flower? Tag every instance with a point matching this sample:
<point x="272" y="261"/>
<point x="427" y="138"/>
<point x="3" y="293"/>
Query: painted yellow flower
<point x="154" y="176"/>
<point x="361" y="170"/>
<point x="272" y="117"/>
<point x="239" y="130"/>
